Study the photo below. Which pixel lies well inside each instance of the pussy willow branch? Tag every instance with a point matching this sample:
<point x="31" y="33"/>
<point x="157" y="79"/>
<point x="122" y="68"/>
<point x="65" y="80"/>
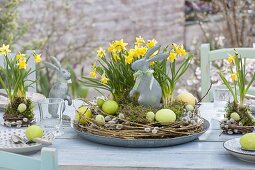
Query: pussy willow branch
<point x="206" y="93"/>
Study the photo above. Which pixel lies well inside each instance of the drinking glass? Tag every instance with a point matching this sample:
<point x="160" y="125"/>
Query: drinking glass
<point x="220" y="97"/>
<point x="51" y="111"/>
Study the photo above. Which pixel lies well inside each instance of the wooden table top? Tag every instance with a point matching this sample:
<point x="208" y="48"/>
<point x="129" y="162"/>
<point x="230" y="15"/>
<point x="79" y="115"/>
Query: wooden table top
<point x="75" y="153"/>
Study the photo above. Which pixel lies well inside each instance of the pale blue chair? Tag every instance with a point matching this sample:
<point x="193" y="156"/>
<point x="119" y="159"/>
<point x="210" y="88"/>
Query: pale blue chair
<point x="208" y="56"/>
<point x="13" y="161"/>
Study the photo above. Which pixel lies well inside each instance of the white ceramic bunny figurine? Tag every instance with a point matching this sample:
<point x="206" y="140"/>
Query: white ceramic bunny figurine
<point x="60" y="87"/>
<point x="146" y="85"/>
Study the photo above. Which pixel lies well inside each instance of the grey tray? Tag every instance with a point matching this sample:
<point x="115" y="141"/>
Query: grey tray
<point x="141" y="143"/>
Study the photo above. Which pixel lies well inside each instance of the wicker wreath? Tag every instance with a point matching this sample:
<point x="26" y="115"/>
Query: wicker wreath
<point x="119" y="127"/>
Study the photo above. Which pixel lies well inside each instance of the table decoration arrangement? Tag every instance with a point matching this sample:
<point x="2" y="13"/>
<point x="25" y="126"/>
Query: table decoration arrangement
<point x="33" y="96"/>
<point x="142" y="106"/>
<point x="19" y="111"/>
<point x="238" y="117"/>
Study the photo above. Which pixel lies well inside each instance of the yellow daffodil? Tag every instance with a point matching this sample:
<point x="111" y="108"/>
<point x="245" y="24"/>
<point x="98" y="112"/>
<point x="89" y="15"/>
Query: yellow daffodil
<point x="234" y="76"/>
<point x="129" y="59"/>
<point x="171" y="57"/>
<point x="22" y="63"/>
<point x="231" y="59"/>
<point x="115" y="57"/>
<point x="20" y="56"/>
<point x="183" y="52"/>
<point x="104" y="79"/>
<point x="139" y="41"/>
<point x="179" y="49"/>
<point x="120" y="45"/>
<point x="37" y="58"/>
<point x="151" y="43"/>
<point x="175" y="46"/>
<point x="111" y="48"/>
<point x="5" y="49"/>
<point x="152" y="63"/>
<point x="101" y="53"/>
<point x="131" y="52"/>
<point x="139" y="51"/>
<point x="93" y="74"/>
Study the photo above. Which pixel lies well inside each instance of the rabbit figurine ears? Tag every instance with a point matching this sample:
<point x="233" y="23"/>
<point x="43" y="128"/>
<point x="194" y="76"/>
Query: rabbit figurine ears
<point x="55" y="66"/>
<point x="157" y="57"/>
<point x="143" y="63"/>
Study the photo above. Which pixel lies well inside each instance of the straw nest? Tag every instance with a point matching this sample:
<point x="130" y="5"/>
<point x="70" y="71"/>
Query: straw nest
<point x="121" y="126"/>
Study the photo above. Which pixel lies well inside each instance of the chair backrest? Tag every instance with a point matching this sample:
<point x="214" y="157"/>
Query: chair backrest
<point x="30" y="64"/>
<point x="13" y="161"/>
<point x="208" y="56"/>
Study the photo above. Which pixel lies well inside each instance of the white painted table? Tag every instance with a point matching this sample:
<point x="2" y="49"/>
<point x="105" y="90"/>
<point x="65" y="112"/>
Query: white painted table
<point x="75" y="153"/>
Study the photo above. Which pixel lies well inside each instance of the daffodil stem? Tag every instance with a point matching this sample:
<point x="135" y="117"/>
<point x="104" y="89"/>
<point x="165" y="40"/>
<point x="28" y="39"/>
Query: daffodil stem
<point x="168" y="97"/>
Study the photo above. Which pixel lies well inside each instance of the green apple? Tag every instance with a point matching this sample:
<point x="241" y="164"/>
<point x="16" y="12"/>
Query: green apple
<point x="188" y="98"/>
<point x="235" y="116"/>
<point x="34" y="131"/>
<point x="22" y="107"/>
<point x="82" y="91"/>
<point x="150" y="116"/>
<point x="247" y="141"/>
<point x="110" y="107"/>
<point x="100" y="119"/>
<point x="100" y="102"/>
<point x="83" y="111"/>
<point x="165" y="116"/>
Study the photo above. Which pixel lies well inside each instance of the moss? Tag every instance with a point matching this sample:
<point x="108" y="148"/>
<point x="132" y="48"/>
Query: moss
<point x="244" y="112"/>
<point x="135" y="113"/>
<point x="12" y="108"/>
<point x="178" y="107"/>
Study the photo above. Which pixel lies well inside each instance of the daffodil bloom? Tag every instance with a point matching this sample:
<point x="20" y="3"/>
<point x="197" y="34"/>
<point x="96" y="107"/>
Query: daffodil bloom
<point x="139" y="51"/>
<point x="131" y="52"/>
<point x="152" y="63"/>
<point x="179" y="50"/>
<point x="37" y="58"/>
<point x="5" y="49"/>
<point x="93" y="74"/>
<point x="234" y="76"/>
<point x="20" y="56"/>
<point x="111" y="48"/>
<point x="183" y="51"/>
<point x="22" y="63"/>
<point x="139" y="41"/>
<point x="151" y="43"/>
<point x="115" y="57"/>
<point x="120" y="45"/>
<point x="231" y="59"/>
<point x="129" y="59"/>
<point x="101" y="53"/>
<point x="104" y="79"/>
<point x="171" y="57"/>
<point x="175" y="46"/>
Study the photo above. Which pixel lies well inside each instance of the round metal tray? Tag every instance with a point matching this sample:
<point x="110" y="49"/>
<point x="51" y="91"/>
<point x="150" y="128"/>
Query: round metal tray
<point x="141" y="143"/>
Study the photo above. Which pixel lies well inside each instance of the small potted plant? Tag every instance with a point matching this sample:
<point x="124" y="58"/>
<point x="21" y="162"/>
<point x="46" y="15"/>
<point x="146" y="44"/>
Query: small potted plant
<point x="238" y="116"/>
<point x="19" y="111"/>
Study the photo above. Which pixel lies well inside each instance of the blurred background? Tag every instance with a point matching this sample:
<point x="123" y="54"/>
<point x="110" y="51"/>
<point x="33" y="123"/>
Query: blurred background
<point x="72" y="30"/>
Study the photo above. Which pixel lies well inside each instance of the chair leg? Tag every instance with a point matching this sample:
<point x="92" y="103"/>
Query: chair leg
<point x="49" y="159"/>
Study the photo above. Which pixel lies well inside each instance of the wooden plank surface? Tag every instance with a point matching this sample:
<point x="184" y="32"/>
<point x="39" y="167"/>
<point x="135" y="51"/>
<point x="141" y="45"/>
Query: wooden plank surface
<point x="207" y="152"/>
